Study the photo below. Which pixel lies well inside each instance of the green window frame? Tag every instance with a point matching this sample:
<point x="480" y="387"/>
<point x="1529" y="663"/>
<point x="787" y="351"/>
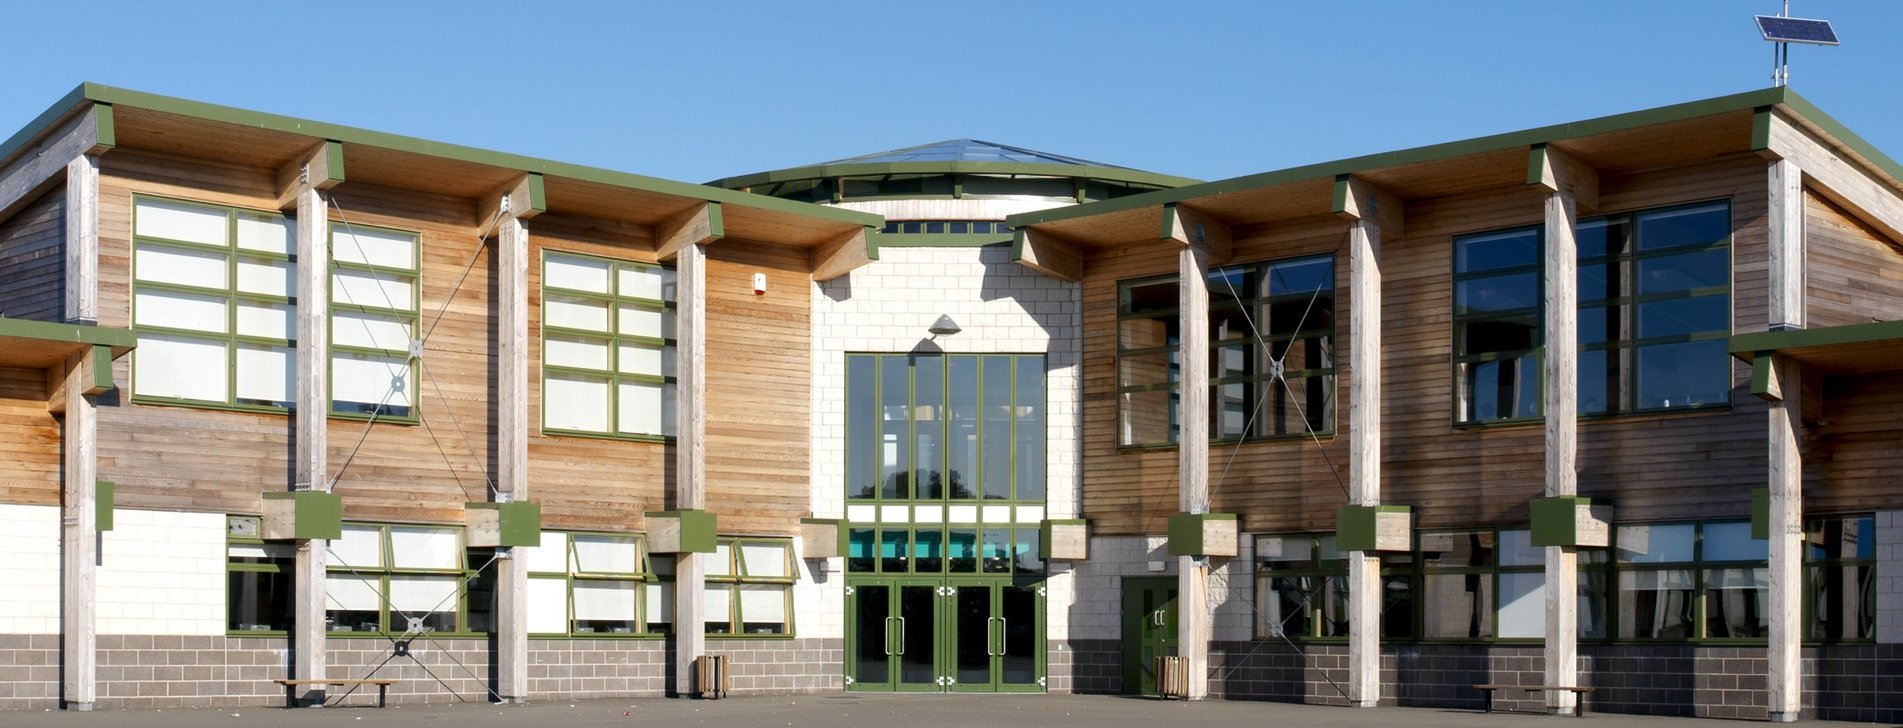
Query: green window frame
<point x="373" y="581"/>
<point x="608" y="347"/>
<point x="1289" y="300"/>
<point x="374" y="324"/>
<point x="1840" y="564"/>
<point x="1691" y="582"/>
<point x="1654" y="297"/>
<point x="946" y="428"/>
<point x="260" y="589"/>
<point x="213" y="302"/>
<point x="958" y="549"/>
<point x="606" y="585"/>
<point x="751" y="581"/>
<point x="1301" y="590"/>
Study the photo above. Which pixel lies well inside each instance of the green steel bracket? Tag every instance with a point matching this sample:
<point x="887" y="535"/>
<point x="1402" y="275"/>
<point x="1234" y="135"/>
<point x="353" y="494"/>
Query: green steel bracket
<point x="303" y="515"/>
<point x="493" y="524"/>
<point x="1570" y="520"/>
<point x="1202" y="534"/>
<point x="681" y="532"/>
<point x="1374" y="528"/>
<point x="103" y="494"/>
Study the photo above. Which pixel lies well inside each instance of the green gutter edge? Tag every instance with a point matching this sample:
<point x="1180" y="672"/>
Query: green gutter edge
<point x="101" y="94"/>
<point x="1029" y="169"/>
<point x="1749" y="100"/>
<point x="1747" y="346"/>
<point x="49" y="331"/>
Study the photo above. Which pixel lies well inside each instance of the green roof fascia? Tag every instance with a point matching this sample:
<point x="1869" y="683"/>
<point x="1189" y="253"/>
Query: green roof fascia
<point x="53" y="116"/>
<point x="879" y="169"/>
<point x="120" y="340"/>
<point x="98" y="93"/>
<point x="1842" y="134"/>
<point x="1746" y="101"/>
<point x="1746" y="346"/>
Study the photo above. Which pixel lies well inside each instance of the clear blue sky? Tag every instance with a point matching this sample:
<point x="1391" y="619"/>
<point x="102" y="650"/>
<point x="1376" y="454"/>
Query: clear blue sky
<point x="696" y="91"/>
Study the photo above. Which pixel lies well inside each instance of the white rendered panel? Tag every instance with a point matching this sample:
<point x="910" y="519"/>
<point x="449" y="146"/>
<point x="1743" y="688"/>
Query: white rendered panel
<point x="863" y="514"/>
<point x="271" y="321"/>
<point x="643" y="282"/>
<point x="575" y="313"/>
<point x="551" y="556"/>
<point x="180" y="311"/>
<point x="575" y="351"/>
<point x="367" y="379"/>
<point x="575" y="402"/>
<point x="721" y="562"/>
<point x="266" y="233"/>
<point x="997" y="514"/>
<point x="928" y="514"/>
<point x="649" y="359"/>
<point x="420" y="595"/>
<point x="719" y="607"/>
<point x="575" y="274"/>
<point x="361" y="547"/>
<point x="548" y="604"/>
<point x="180" y="266"/>
<point x="650" y="322"/>
<point x="644" y="408"/>
<point x="893" y="514"/>
<point x="381" y="290"/>
<point x="179" y="221"/>
<point x="605" y="600"/>
<point x="369" y="331"/>
<point x="347" y="592"/>
<point x="268" y="277"/>
<point x="961" y="514"/>
<point x="380" y="248"/>
<point x="1030" y="514"/>
<point x="165" y="366"/>
<point x="606" y="555"/>
<point x="265" y="373"/>
<point x="425" y="548"/>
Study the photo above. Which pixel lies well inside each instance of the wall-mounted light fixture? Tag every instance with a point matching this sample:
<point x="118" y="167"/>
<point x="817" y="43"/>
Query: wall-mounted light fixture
<point x="944" y="326"/>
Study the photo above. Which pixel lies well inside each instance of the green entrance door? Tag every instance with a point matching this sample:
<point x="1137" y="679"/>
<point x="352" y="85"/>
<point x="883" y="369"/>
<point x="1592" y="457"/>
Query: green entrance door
<point x="1149" y="630"/>
<point x="997" y="637"/>
<point x="918" y="635"/>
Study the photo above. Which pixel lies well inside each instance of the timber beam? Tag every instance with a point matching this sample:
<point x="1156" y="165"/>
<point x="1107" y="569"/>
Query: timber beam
<point x="1358" y="200"/>
<point x="842" y="255"/>
<point x="521" y="199"/>
<point x="1048" y="254"/>
<point x="1373" y="215"/>
<point x="97" y="361"/>
<point x="1871" y="199"/>
<point x="699" y="225"/>
<point x="319" y="168"/>
<point x="41" y="167"/>
<point x="1185" y="226"/>
<point x="1555" y="171"/>
<point x="508" y="207"/>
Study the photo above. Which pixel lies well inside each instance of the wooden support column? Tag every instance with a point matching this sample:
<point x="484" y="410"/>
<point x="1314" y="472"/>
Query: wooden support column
<point x="302" y="185"/>
<point x="82" y="239"/>
<point x="1372" y="213"/>
<point x="685" y="239"/>
<point x="1784" y="220"/>
<point x="1569" y="186"/>
<point x="1786" y="245"/>
<point x="1192" y="588"/>
<point x="1048" y="254"/>
<point x="79" y="538"/>
<point x="510" y="207"/>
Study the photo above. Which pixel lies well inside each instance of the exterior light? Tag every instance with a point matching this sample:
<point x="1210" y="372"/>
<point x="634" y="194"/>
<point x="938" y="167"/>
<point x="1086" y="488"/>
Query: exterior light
<point x="944" y="326"/>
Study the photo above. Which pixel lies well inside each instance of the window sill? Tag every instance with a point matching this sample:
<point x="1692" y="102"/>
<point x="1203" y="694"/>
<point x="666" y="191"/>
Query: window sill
<point x="587" y="435"/>
<point x="633" y="636"/>
<point x="744" y="636"/>
<point x="150" y="401"/>
<point x="1324" y="435"/>
<point x="380" y="419"/>
<point x="1626" y="416"/>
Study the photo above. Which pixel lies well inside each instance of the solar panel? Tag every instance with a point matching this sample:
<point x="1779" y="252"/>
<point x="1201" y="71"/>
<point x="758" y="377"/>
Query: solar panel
<point x="1796" y="30"/>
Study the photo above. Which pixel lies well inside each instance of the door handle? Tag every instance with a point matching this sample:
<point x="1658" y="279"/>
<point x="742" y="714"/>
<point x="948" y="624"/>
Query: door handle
<point x="1004" y="636"/>
<point x="888" y="636"/>
<point x="901" y="635"/>
<point x="991" y="637"/>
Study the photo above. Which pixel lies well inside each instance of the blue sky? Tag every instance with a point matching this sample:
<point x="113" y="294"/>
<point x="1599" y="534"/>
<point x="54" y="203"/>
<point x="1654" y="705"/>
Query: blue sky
<point x="696" y="91"/>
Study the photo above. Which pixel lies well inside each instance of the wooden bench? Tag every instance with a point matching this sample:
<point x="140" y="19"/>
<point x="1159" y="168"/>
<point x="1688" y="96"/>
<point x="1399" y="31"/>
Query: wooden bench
<point x="1577" y="691"/>
<point x="383" y="688"/>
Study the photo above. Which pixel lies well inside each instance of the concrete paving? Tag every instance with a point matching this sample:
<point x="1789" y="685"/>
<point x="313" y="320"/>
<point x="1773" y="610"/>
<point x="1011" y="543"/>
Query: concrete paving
<point x="838" y="711"/>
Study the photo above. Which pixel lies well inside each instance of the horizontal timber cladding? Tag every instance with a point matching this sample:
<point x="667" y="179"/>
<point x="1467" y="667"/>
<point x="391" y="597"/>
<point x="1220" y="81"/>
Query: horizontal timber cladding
<point x="213" y="460"/>
<point x="32" y="261"/>
<point x="587" y="482"/>
<point x="1851" y="457"/>
<point x="759" y="388"/>
<point x="29" y="440"/>
<point x="1853" y="275"/>
<point x="1652" y="466"/>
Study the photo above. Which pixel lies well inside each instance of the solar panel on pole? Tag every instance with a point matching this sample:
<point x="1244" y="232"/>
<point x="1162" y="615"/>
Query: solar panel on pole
<point x="1796" y="30"/>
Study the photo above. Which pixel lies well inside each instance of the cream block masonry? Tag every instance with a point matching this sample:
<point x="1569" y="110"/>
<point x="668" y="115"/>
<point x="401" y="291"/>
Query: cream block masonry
<point x="163" y="573"/>
<point x="29" y="601"/>
<point x="1003" y="307"/>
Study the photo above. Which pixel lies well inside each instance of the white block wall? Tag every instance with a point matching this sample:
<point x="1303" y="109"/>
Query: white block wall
<point x="1890" y="577"/>
<point x="163" y="573"/>
<point x="1097" y="613"/>
<point x="887" y="306"/>
<point x="29" y="569"/>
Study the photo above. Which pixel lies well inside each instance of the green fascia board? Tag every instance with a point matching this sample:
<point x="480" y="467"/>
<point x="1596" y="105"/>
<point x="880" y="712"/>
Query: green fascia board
<point x="1748" y="346"/>
<point x="317" y="514"/>
<point x="119" y="340"/>
<point x="101" y="94"/>
<point x="881" y="169"/>
<point x="103" y="494"/>
<point x="519" y="523"/>
<point x="1761" y="513"/>
<point x="1747" y="101"/>
<point x="53" y="116"/>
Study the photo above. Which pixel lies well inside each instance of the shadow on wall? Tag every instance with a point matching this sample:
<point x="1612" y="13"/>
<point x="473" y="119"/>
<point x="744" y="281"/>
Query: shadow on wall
<point x="1036" y="294"/>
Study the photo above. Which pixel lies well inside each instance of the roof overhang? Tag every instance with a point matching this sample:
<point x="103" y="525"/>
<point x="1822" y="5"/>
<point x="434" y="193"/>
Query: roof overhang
<point x="1854" y="349"/>
<point x="45" y="345"/>
<point x="166" y="125"/>
<point x="1000" y="169"/>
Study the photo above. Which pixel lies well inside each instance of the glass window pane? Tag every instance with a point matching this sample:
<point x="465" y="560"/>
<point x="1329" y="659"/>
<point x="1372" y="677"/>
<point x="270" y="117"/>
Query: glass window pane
<point x="180" y="311"/>
<point x="1694" y="225"/>
<point x="653" y="360"/>
<point x="267" y="277"/>
<point x="426" y="548"/>
<point x="259" y="601"/>
<point x="1592" y="609"/>
<point x="928" y="551"/>
<point x="265" y="233"/>
<point x="551" y="556"/>
<point x="1732" y="541"/>
<point x="1656" y="543"/>
<point x="1301" y="277"/>
<point x="643" y="321"/>
<point x="862" y="432"/>
<point x="270" y="321"/>
<point x="1691" y="374"/>
<point x="575" y="273"/>
<point x="1595" y="283"/>
<point x="368" y="380"/>
<point x="352" y="603"/>
<point x="961" y="437"/>
<point x="1599" y="324"/>
<point x="578" y="352"/>
<point x="859" y="549"/>
<point x="1028" y="556"/>
<point x="928" y="398"/>
<point x="999" y="415"/>
<point x="719" y="608"/>
<point x="1497" y="334"/>
<point x="383" y="249"/>
<point x="265" y="375"/>
<point x="1150" y="296"/>
<point x="168" y="366"/>
<point x="1501" y="389"/>
<point x="179" y="221"/>
<point x="1030" y="428"/>
<point x="1684" y="271"/>
<point x="1466" y="550"/>
<point x="1457" y="605"/>
<point x="1489" y="251"/>
<point x="997" y="551"/>
<point x="1852" y="537"/>
<point x="766" y="559"/>
<point x="639" y="281"/>
<point x="961" y="550"/>
<point x="1148" y="418"/>
<point x="1517" y="549"/>
<point x="378" y="290"/>
<point x="895" y="454"/>
<point x="660" y="606"/>
<point x="1497" y="293"/>
<point x="360" y="548"/>
<point x="1598" y="382"/>
<point x="606" y="554"/>
<point x="1599" y="237"/>
<point x="645" y="408"/>
<point x="575" y="402"/>
<point x="1138" y="370"/>
<point x="1522" y="605"/>
<point x="427" y="603"/>
<point x="548" y="604"/>
<point x="1737" y="603"/>
<point x="1147" y="333"/>
<point x="1656" y="605"/>
<point x="1283" y="605"/>
<point x="1842" y="602"/>
<point x="1684" y="316"/>
<point x="370" y="331"/>
<point x="180" y="266"/>
<point x="893" y="552"/>
<point x="763" y="609"/>
<point x="575" y="313"/>
<point x="721" y="563"/>
<point x="606" y="606"/>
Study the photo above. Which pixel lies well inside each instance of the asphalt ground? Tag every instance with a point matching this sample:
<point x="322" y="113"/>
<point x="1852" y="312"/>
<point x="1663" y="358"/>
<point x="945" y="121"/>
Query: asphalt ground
<point x="840" y="711"/>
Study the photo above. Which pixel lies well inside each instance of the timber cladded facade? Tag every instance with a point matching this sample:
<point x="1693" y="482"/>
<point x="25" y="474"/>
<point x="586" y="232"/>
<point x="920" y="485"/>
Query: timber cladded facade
<point x="1606" y="404"/>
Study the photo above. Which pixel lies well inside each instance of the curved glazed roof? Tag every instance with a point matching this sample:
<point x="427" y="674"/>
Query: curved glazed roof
<point x="958" y="156"/>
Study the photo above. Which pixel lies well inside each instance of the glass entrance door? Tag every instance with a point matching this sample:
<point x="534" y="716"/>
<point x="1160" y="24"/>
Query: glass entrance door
<point x="997" y="641"/>
<point x="894" y="631"/>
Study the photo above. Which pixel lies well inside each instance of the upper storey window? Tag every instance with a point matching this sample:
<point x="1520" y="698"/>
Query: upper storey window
<point x="607" y="346"/>
<point x="374" y="298"/>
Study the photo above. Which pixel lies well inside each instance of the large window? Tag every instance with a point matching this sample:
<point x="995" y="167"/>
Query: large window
<point x="1271" y="359"/>
<point x="594" y="585"/>
<point x="750" y="587"/>
<point x="937" y="427"/>
<point x="607" y="347"/>
<point x="398" y="579"/>
<point x="259" y="587"/>
<point x="1840" y="556"/>
<point x="1302" y="589"/>
<point x="374" y="298"/>
<point x="1654" y="313"/>
<point x="1680" y="581"/>
<point x="955" y="549"/>
<point x="212" y="301"/>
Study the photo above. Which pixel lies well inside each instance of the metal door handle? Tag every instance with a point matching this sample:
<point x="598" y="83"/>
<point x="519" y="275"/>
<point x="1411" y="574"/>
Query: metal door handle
<point x="888" y="636"/>
<point x="1156" y="618"/>
<point x="901" y="635"/>
<point x="991" y="637"/>
<point x="1004" y="636"/>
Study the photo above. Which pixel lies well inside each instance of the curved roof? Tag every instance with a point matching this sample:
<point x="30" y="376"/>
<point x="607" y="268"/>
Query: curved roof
<point x="958" y="156"/>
